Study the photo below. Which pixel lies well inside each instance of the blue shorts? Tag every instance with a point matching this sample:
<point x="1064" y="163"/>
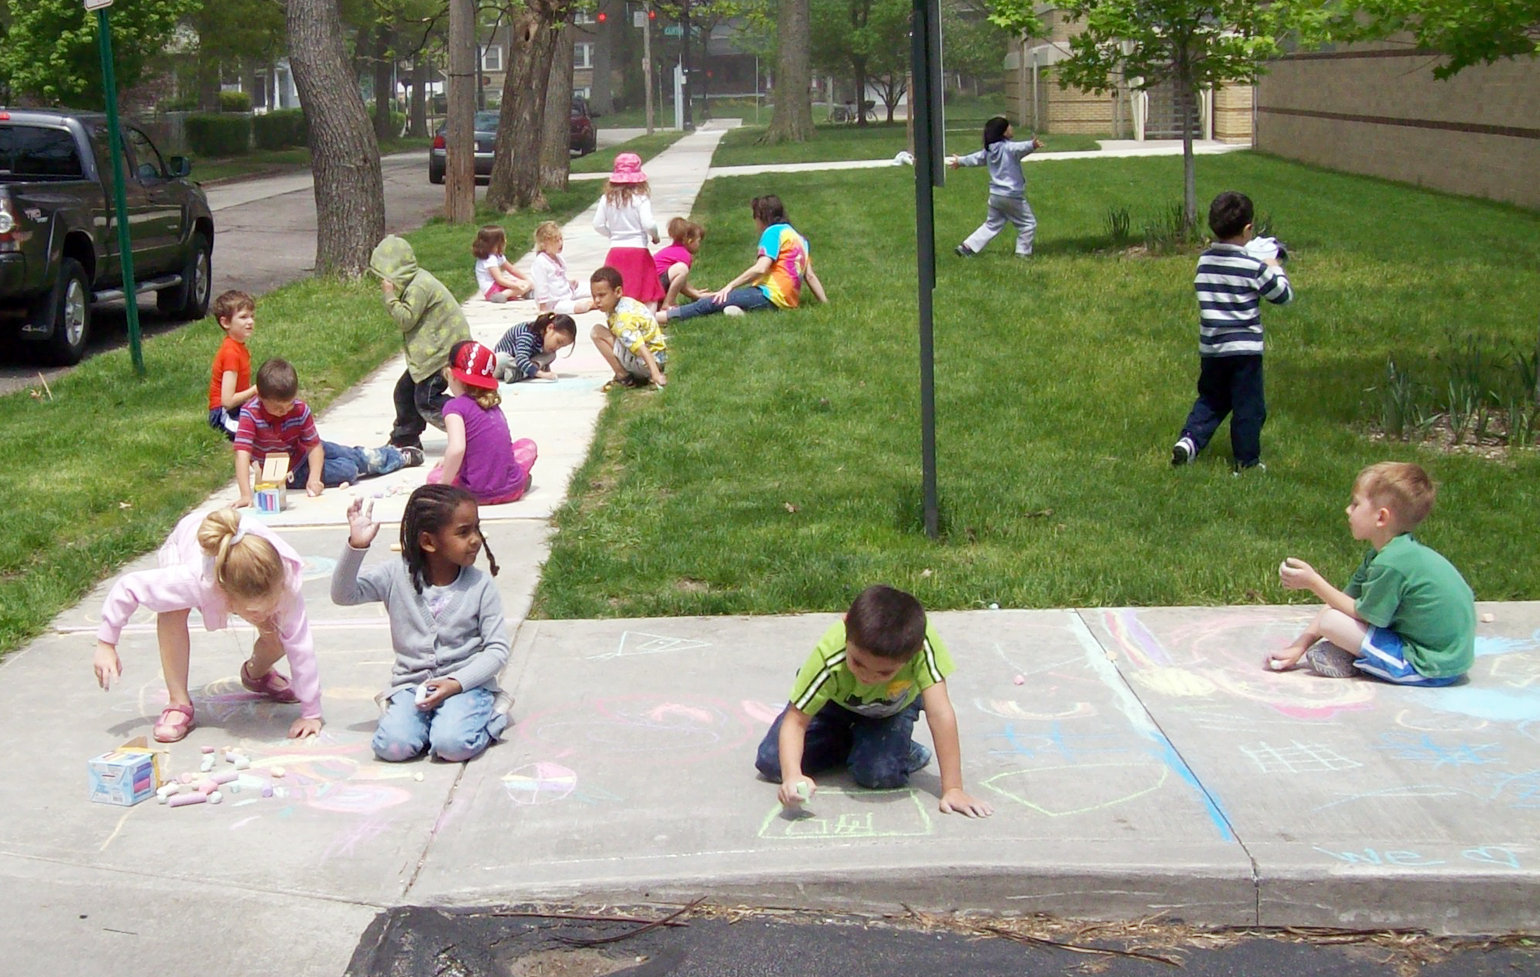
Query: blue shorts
<point x="1383" y="656"/>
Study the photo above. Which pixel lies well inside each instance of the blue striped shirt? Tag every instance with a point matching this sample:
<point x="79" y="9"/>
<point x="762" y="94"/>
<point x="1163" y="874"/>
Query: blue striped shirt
<point x="1231" y="285"/>
<point x="522" y="344"/>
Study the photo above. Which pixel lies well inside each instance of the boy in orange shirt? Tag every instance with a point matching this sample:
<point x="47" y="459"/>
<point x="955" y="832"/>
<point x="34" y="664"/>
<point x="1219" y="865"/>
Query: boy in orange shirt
<point x="230" y="387"/>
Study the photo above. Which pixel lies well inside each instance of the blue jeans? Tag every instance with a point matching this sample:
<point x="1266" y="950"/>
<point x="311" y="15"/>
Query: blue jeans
<point x="458" y="730"/>
<point x="1230" y="385"/>
<point x="875" y="751"/>
<point x="747" y="298"/>
<point x="344" y="464"/>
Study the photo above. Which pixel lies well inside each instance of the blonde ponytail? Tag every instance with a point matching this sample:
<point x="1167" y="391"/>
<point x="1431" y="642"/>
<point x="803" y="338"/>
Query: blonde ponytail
<point x="245" y="565"/>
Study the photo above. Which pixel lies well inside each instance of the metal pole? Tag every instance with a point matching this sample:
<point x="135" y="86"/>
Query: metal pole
<point x="684" y="61"/>
<point x="647" y="60"/>
<point x="120" y="199"/>
<point x="926" y="149"/>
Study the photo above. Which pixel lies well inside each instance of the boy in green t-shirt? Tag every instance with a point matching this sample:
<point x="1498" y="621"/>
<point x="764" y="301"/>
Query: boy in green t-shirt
<point x="1407" y="616"/>
<point x="855" y="702"/>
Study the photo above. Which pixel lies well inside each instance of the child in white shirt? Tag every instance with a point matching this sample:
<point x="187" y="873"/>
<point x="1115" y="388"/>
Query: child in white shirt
<point x="496" y="277"/>
<point x="555" y="290"/>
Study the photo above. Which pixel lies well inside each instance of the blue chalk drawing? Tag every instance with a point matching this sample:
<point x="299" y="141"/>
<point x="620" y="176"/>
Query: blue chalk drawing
<point x="1422" y="749"/>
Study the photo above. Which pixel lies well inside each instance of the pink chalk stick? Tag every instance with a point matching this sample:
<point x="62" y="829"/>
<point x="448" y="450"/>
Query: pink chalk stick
<point x="208" y="749"/>
<point x="224" y="778"/>
<point x="182" y="800"/>
<point x="206" y="787"/>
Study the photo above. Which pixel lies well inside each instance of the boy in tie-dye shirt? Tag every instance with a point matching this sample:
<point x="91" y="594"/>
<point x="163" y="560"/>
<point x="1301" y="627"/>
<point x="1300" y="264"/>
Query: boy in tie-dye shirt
<point x="778" y="273"/>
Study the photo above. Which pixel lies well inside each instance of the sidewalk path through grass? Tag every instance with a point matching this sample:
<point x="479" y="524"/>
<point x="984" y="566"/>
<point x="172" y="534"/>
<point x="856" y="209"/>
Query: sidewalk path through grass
<point x="1140" y="761"/>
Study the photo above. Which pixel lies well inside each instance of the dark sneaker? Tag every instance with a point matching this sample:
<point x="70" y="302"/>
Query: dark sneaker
<point x="963" y="251"/>
<point x="620" y="383"/>
<point x="919" y="756"/>
<point x="1326" y="659"/>
<point x="1256" y="468"/>
<point x="411" y="457"/>
<point x="1183" y="451"/>
<point x="413" y="443"/>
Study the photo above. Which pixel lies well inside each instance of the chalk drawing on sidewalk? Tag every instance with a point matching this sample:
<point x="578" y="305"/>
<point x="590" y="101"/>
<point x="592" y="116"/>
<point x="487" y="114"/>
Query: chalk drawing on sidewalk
<point x="1425" y="750"/>
<point x="539" y="783"/>
<point x="1011" y="709"/>
<point x="1297" y="757"/>
<point x="1398" y="791"/>
<point x="1221" y="654"/>
<point x="1439" y="722"/>
<point x="761" y="712"/>
<point x="634" y="643"/>
<point x="1080" y="788"/>
<point x="841" y="814"/>
<point x="317" y="567"/>
<point x="684" y="730"/>
<point x="1519" y="790"/>
<point x="1498" y="856"/>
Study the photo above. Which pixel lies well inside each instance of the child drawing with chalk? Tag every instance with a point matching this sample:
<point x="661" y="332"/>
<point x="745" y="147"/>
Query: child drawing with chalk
<point x="219" y="563"/>
<point x="446" y="626"/>
<point x="855" y="702"/>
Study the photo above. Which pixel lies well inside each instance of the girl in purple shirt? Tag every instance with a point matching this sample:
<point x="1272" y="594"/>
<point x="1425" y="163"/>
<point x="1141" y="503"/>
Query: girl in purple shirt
<point x="482" y="456"/>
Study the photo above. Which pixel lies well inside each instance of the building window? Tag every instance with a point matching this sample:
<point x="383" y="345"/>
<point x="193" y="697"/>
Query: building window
<point x="582" y="92"/>
<point x="492" y="57"/>
<point x="583" y="55"/>
<point x="583" y="17"/>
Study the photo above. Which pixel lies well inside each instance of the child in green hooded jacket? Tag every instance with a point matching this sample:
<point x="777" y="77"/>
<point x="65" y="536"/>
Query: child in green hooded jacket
<point x="431" y="323"/>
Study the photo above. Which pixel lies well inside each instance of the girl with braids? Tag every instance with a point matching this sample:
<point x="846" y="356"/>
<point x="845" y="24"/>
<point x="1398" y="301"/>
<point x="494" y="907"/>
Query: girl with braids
<point x="446" y="626"/>
<point x="482" y="456"/>
<point x="219" y="563"/>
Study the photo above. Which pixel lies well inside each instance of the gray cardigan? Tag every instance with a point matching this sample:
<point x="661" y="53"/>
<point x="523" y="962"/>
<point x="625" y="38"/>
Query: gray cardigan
<point x="467" y="642"/>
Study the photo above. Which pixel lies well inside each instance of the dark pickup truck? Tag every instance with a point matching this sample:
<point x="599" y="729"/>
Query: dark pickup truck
<point x="59" y="235"/>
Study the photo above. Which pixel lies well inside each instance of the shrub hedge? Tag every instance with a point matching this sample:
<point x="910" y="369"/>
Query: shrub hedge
<point x="280" y="129"/>
<point x="218" y="135"/>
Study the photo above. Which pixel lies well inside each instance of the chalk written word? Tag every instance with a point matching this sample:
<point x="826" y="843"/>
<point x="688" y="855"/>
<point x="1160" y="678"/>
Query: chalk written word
<point x="1496" y="855"/>
<point x="883" y="814"/>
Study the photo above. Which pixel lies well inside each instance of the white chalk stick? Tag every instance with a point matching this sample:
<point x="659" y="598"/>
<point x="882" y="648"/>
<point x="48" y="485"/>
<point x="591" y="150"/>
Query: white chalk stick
<point x="242" y="763"/>
<point x="216" y="797"/>
<point x="277" y="771"/>
<point x="422" y="693"/>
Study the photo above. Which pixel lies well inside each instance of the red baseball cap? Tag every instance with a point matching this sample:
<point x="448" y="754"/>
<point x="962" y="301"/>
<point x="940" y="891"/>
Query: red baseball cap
<point x="473" y="365"/>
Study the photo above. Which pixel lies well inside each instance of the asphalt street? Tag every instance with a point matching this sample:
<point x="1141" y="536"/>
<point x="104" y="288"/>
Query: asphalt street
<point x="548" y="942"/>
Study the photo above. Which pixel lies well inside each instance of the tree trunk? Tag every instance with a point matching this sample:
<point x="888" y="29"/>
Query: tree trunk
<point x="792" y="119"/>
<point x="344" y="157"/>
<point x="1187" y="98"/>
<point x="859" y="65"/>
<point x="460" y="161"/>
<point x="515" y="183"/>
<point x="556" y="141"/>
<point x="384" y="83"/>
<point x="417" y="117"/>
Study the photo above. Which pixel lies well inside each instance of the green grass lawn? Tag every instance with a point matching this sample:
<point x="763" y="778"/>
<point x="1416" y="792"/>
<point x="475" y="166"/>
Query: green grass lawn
<point x="644" y="146"/>
<point x="780" y="470"/>
<point x="740" y="146"/>
<point x="74" y="514"/>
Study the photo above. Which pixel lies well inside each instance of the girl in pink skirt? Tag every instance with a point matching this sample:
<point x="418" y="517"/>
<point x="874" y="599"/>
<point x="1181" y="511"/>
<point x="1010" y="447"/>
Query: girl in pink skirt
<point x="625" y="217"/>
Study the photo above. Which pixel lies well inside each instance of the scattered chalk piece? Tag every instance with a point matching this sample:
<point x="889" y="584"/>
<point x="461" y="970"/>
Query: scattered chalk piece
<point x="1020" y="680"/>
<point x="208" y="749"/>
<point x="1488" y="617"/>
<point x="278" y="771"/>
<point x="215" y="797"/>
<point x="994" y="607"/>
<point x="267" y="791"/>
<point x="182" y="800"/>
<point x="417" y="776"/>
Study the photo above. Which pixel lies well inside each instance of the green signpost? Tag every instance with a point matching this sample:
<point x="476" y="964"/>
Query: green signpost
<point x="120" y="199"/>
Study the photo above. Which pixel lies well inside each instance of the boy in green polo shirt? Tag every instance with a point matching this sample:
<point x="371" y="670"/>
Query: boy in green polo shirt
<point x="855" y="702"/>
<point x="1407" y="616"/>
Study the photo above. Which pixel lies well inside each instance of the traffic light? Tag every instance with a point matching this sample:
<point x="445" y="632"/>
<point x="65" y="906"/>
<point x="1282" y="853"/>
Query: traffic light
<point x="601" y="17"/>
<point x="652" y="14"/>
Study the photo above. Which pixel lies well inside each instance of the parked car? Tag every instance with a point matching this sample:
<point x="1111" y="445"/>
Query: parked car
<point x="58" y="228"/>
<point x="582" y="140"/>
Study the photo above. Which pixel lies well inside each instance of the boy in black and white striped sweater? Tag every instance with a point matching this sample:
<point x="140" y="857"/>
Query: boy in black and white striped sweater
<point x="1231" y="283"/>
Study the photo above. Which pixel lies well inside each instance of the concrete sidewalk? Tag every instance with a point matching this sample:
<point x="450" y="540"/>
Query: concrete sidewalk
<point x="1140" y="760"/>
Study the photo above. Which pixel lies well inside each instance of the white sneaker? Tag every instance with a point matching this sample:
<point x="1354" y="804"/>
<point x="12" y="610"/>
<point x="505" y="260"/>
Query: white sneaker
<point x="1183" y="451"/>
<point x="732" y="310"/>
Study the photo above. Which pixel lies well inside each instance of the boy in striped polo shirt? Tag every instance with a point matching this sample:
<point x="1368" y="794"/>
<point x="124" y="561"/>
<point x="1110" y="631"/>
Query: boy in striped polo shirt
<point x="855" y="702"/>
<point x="276" y="420"/>
<point x="1231" y="284"/>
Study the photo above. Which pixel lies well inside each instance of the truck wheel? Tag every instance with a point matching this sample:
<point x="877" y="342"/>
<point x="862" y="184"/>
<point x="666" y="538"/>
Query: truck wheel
<point x="190" y="299"/>
<point x="67" y="314"/>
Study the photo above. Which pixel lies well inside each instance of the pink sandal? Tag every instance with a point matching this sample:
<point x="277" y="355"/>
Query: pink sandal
<point x="167" y="729"/>
<point x="273" y="686"/>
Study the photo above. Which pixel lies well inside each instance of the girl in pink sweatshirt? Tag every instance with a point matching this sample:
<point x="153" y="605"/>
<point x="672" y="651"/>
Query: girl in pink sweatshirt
<point x="219" y="563"/>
